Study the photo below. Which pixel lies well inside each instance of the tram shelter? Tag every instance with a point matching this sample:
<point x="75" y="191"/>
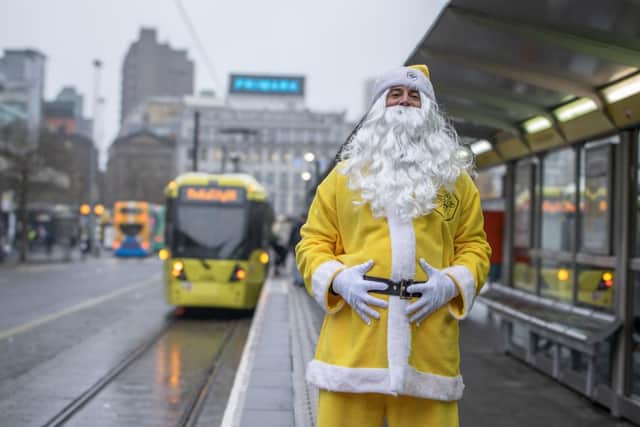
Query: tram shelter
<point x="547" y="94"/>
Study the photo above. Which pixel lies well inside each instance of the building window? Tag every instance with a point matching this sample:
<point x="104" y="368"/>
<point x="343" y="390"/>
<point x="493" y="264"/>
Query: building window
<point x="523" y="267"/>
<point x="297" y="202"/>
<point x="284" y="180"/>
<point x="558" y="200"/>
<point x="269" y="178"/>
<point x="282" y="203"/>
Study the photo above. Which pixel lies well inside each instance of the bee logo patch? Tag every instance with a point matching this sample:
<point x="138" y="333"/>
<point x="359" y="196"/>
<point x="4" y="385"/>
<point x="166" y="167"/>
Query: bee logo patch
<point x="447" y="205"/>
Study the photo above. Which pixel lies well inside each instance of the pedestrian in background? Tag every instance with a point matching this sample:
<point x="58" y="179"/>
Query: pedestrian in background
<point x="395" y="252"/>
<point x="294" y="239"/>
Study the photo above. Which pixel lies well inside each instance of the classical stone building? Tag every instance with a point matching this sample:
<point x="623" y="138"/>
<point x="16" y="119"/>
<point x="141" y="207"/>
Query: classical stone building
<point x="140" y="166"/>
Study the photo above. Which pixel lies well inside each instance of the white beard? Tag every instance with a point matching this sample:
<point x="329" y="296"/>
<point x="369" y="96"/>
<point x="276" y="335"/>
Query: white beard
<point x="400" y="157"/>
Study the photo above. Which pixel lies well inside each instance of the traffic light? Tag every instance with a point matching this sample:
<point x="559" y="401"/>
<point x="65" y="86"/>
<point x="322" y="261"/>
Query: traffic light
<point x="98" y="209"/>
<point x="85" y="209"/>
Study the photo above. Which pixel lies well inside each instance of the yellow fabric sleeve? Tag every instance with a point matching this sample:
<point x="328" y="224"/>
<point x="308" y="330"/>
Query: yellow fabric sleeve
<point x="316" y="254"/>
<point x="472" y="252"/>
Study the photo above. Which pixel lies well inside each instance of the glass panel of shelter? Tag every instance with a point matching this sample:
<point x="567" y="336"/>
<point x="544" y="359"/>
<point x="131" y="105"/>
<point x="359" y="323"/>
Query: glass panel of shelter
<point x="595" y="282"/>
<point x="635" y="277"/>
<point x="524" y="206"/>
<point x="558" y="224"/>
<point x="550" y="229"/>
<point x="553" y="223"/>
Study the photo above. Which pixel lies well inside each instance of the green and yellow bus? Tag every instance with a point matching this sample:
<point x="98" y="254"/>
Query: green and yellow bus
<point x="157" y="227"/>
<point x="217" y="231"/>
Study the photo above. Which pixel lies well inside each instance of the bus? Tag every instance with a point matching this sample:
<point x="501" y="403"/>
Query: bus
<point x="133" y="229"/>
<point x="217" y="230"/>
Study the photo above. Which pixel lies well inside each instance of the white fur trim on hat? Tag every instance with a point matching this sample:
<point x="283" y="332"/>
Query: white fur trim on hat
<point x="403" y="76"/>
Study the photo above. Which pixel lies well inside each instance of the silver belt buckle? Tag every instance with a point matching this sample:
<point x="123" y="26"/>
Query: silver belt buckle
<point x="403" y="288"/>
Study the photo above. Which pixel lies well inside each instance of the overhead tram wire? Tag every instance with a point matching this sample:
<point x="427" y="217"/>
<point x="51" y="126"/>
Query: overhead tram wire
<point x="196" y="38"/>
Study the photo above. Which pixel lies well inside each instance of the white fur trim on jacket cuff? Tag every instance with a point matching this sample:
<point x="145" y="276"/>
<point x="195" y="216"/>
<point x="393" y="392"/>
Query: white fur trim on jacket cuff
<point x="321" y="279"/>
<point x="467" y="287"/>
<point x="376" y="380"/>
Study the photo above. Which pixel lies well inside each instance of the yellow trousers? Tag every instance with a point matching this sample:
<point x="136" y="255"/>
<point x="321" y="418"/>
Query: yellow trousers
<point x="371" y="409"/>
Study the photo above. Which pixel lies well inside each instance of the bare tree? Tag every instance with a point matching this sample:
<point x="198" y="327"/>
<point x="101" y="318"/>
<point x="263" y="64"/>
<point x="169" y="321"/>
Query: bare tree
<point x="25" y="169"/>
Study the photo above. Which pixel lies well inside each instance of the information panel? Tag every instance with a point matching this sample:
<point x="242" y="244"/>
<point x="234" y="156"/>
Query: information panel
<point x="267" y="85"/>
<point x="216" y="195"/>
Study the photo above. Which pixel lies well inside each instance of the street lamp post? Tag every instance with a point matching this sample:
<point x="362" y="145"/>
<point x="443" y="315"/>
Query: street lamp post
<point x="196" y="141"/>
<point x="95" y="146"/>
<point x="310" y="157"/>
<point x="306" y="177"/>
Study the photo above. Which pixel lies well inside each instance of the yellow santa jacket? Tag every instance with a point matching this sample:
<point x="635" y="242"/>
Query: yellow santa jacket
<point x="392" y="356"/>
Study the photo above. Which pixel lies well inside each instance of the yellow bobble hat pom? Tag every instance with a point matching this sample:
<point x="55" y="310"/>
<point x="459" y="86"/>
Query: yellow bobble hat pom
<point x="422" y="68"/>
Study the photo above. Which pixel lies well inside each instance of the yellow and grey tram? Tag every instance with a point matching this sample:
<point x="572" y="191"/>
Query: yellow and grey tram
<point x="216" y="232"/>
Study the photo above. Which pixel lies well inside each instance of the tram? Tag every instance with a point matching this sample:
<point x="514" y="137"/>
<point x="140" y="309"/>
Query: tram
<point x="217" y="231"/>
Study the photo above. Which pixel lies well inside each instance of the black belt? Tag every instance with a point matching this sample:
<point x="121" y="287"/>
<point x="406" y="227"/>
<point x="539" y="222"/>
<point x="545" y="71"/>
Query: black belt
<point x="394" y="288"/>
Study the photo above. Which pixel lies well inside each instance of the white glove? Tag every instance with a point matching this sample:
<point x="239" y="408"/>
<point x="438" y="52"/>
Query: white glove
<point x="353" y="288"/>
<point x="438" y="290"/>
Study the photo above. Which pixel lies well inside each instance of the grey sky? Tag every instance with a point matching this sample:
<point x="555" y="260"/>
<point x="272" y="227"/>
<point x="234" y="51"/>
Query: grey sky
<point x="337" y="44"/>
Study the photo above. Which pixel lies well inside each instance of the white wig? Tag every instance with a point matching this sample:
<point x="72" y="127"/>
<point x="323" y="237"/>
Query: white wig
<point x="400" y="157"/>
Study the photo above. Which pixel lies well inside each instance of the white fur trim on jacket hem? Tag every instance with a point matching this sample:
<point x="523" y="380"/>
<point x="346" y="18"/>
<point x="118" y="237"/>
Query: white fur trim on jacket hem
<point x="376" y="380"/>
<point x="467" y="286"/>
<point x="321" y="279"/>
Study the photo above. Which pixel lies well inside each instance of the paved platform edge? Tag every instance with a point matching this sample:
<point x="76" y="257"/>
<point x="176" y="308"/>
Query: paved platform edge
<point x="235" y="405"/>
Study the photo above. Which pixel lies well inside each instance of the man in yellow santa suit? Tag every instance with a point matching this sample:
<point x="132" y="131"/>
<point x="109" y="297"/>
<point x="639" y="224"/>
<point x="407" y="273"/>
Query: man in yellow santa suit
<point x="394" y="251"/>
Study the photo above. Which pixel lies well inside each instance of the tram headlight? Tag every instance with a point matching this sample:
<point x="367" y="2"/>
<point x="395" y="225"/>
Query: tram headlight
<point x="177" y="270"/>
<point x="238" y="274"/>
<point x="263" y="258"/>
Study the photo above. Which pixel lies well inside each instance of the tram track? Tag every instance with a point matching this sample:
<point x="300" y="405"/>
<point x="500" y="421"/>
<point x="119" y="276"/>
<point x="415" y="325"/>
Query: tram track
<point x="192" y="398"/>
<point x="194" y="409"/>
<point x="79" y="402"/>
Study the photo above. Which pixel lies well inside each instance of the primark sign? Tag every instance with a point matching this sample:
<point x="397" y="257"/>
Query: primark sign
<point x="267" y="85"/>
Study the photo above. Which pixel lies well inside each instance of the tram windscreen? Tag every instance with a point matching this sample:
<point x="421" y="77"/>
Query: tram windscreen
<point x="210" y="231"/>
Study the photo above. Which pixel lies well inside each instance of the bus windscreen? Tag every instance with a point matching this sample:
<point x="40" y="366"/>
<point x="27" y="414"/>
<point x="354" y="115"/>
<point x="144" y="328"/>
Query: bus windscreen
<point x="130" y="229"/>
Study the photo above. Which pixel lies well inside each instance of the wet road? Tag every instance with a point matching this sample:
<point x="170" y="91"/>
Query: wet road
<point x="101" y="330"/>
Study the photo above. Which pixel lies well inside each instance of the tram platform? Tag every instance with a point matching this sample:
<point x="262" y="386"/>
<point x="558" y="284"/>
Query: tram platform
<point x="270" y="390"/>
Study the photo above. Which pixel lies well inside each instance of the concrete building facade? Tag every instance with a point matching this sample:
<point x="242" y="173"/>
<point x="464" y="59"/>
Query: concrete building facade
<point x="140" y="166"/>
<point x="153" y="69"/>
<point x="22" y="74"/>
<point x="264" y="129"/>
